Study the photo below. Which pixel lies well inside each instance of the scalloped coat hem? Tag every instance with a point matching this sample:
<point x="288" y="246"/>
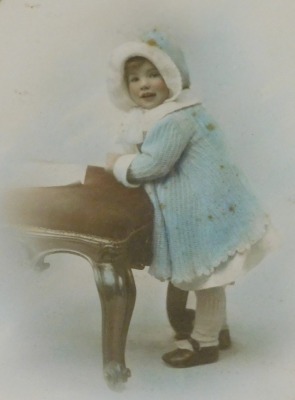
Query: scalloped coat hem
<point x="235" y="267"/>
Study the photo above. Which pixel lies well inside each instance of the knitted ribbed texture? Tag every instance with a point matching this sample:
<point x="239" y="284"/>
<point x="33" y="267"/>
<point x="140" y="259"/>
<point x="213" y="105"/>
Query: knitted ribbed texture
<point x="204" y="210"/>
<point x="210" y="316"/>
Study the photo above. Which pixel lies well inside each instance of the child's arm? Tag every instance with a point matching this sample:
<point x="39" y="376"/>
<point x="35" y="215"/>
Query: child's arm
<point x="161" y="149"/>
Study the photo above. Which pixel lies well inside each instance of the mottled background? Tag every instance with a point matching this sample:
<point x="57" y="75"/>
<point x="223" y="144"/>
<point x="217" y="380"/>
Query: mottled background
<point x="54" y="108"/>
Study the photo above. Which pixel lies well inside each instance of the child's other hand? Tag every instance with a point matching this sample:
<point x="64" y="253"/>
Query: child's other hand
<point x="111" y="159"/>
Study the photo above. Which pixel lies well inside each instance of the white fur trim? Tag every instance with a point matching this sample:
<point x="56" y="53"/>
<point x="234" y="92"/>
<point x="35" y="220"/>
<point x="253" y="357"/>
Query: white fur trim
<point x="116" y="84"/>
<point x="121" y="167"/>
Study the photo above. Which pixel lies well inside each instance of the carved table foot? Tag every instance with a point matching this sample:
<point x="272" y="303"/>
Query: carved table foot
<point x="116" y="374"/>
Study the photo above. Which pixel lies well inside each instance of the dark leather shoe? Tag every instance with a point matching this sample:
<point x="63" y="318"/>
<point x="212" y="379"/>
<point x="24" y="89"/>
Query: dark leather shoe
<point x="183" y="358"/>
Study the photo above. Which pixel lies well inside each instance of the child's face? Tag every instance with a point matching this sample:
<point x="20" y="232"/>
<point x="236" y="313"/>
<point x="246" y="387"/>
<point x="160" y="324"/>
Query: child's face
<point x="146" y="86"/>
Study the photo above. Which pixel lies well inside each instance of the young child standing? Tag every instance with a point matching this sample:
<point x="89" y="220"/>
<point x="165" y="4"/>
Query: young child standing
<point x="208" y="226"/>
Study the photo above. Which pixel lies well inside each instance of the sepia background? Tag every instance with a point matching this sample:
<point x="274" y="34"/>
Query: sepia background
<point x="55" y="118"/>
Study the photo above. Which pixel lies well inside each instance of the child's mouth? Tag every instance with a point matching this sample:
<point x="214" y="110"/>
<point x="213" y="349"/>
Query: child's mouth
<point x="147" y="95"/>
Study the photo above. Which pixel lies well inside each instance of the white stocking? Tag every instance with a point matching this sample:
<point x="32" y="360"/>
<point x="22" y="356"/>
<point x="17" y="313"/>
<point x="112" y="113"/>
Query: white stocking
<point x="210" y="316"/>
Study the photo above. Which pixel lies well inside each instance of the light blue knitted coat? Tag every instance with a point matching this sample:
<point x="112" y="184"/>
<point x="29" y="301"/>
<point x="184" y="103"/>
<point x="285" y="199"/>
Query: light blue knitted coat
<point x="204" y="209"/>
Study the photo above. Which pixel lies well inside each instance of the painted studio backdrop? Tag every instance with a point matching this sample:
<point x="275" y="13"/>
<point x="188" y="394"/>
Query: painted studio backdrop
<point x="55" y="118"/>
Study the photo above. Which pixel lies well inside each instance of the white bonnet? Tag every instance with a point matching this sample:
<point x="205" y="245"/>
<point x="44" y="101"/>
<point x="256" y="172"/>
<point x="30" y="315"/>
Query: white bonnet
<point x="166" y="57"/>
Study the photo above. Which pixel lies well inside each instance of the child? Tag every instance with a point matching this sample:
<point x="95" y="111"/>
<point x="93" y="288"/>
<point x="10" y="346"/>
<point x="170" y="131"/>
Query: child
<point x="208" y="226"/>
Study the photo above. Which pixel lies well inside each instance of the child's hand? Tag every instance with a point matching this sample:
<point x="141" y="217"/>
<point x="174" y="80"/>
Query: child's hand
<point x="111" y="159"/>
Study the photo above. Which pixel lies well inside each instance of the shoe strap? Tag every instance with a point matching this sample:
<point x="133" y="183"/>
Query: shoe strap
<point x="195" y="344"/>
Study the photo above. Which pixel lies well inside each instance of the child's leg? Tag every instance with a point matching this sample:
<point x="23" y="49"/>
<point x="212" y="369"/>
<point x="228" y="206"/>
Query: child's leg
<point x="202" y="346"/>
<point x="210" y="316"/>
<point x="210" y="319"/>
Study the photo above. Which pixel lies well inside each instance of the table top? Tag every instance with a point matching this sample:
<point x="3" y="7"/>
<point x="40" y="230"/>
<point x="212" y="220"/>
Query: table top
<point x="100" y="209"/>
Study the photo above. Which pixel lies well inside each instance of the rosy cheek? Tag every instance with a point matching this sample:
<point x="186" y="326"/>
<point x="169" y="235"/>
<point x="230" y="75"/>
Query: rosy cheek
<point x="161" y="85"/>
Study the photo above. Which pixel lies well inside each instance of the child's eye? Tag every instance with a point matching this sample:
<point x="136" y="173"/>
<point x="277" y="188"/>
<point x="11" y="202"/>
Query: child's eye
<point x="133" y="79"/>
<point x="154" y="74"/>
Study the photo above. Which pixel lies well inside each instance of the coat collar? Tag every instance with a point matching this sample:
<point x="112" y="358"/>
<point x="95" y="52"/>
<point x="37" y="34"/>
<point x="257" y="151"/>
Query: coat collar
<point x="139" y="121"/>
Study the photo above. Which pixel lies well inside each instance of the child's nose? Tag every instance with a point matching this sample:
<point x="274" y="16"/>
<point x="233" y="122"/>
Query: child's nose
<point x="144" y="84"/>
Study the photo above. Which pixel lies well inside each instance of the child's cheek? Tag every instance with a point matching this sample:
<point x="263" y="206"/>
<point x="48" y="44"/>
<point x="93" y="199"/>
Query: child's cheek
<point x="160" y="84"/>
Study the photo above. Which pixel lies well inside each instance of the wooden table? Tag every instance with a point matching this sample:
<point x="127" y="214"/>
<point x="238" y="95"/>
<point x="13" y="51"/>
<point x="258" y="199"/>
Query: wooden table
<point x="111" y="227"/>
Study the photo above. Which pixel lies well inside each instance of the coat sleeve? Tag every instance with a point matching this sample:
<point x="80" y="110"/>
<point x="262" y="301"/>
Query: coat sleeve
<point x="161" y="149"/>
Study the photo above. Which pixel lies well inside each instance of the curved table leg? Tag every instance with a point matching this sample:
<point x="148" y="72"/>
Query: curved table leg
<point x="180" y="318"/>
<point x="117" y="293"/>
